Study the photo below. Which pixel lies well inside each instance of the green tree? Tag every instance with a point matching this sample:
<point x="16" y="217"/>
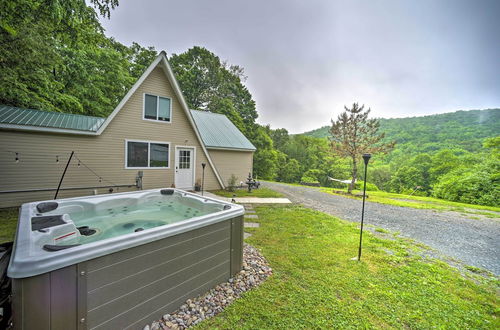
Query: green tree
<point x="494" y="145"/>
<point x="265" y="160"/>
<point x="311" y="176"/>
<point x="68" y="14"/>
<point x="207" y="82"/>
<point x="422" y="163"/>
<point x="280" y="138"/>
<point x="381" y="176"/>
<point x="475" y="185"/>
<point x="139" y="57"/>
<point x="443" y="162"/>
<point x="265" y="164"/>
<point x="474" y="180"/>
<point x="353" y="134"/>
<point x="213" y="85"/>
<point x="406" y="179"/>
<point x="55" y="57"/>
<point x="288" y="169"/>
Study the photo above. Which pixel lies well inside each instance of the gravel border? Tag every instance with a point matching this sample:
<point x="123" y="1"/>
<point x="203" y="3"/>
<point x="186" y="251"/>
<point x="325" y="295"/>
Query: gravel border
<point x="255" y="271"/>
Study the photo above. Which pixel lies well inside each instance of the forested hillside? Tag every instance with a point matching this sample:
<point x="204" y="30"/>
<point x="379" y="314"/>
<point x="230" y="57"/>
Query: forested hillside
<point x="461" y="129"/>
<point x="55" y="56"/>
<point x="453" y="156"/>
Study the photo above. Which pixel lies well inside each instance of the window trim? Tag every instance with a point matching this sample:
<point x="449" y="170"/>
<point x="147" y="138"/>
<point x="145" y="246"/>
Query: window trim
<point x="149" y="156"/>
<point x="157" y="108"/>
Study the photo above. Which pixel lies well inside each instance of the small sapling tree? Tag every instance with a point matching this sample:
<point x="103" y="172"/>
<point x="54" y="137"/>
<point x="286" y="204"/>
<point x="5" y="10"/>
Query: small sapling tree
<point x="353" y="134"/>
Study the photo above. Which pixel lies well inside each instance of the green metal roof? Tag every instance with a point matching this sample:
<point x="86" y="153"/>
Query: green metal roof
<point x="38" y="118"/>
<point x="217" y="131"/>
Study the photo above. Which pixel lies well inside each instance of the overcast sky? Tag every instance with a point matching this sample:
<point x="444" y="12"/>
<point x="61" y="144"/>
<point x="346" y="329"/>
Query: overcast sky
<point x="306" y="59"/>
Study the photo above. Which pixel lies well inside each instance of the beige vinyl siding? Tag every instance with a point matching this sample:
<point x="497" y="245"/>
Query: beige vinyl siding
<point x="229" y="162"/>
<point x="105" y="153"/>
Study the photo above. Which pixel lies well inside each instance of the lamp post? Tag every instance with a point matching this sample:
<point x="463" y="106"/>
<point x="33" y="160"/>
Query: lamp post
<point x="366" y="158"/>
<point x="202" y="177"/>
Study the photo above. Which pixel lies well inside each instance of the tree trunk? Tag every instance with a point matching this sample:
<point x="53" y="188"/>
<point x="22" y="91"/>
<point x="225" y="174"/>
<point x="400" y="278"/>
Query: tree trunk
<point x="351" y="186"/>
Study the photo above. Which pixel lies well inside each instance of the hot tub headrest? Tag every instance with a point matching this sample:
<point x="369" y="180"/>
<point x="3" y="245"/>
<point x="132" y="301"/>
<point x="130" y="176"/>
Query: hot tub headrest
<point x="46" y="221"/>
<point x="47" y="207"/>
<point x="227" y="207"/>
<point x="53" y="248"/>
<point x="167" y="191"/>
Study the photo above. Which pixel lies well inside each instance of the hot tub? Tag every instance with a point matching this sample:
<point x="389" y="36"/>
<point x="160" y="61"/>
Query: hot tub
<point x="120" y="261"/>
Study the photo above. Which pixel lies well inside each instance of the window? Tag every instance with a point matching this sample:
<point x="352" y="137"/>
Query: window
<point x="185" y="159"/>
<point x="157" y="108"/>
<point x="147" y="154"/>
<point x="137" y="154"/>
<point x="158" y="155"/>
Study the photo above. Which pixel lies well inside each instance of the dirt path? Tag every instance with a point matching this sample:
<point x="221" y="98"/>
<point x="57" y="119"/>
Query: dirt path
<point x="476" y="242"/>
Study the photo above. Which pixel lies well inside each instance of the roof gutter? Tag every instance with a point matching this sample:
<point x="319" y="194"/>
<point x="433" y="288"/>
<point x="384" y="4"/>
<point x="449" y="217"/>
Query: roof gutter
<point x="231" y="149"/>
<point x="47" y="129"/>
<point x="161" y="58"/>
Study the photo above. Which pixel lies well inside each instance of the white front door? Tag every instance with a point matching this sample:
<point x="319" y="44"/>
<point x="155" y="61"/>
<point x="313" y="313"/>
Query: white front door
<point x="184" y="167"/>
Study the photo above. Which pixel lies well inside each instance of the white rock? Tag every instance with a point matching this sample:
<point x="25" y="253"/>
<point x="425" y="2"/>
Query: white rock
<point x="255" y="271"/>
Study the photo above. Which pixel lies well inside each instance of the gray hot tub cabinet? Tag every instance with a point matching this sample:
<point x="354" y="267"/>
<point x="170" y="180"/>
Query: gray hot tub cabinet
<point x="132" y="287"/>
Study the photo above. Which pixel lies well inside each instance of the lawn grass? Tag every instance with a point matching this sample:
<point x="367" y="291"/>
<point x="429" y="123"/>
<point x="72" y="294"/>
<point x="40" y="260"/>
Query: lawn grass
<point x="316" y="285"/>
<point x="417" y="202"/>
<point x="420" y="202"/>
<point x="8" y="224"/>
<point x="260" y="192"/>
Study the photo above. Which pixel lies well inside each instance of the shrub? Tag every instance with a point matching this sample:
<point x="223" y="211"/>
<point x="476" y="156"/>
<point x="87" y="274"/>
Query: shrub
<point x="369" y="186"/>
<point x="473" y="186"/>
<point x="311" y="176"/>
<point x="308" y="179"/>
<point x="231" y="182"/>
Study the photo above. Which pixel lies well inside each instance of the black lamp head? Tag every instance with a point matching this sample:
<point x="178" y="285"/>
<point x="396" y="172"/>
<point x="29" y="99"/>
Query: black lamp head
<point x="203" y="165"/>
<point x="366" y="158"/>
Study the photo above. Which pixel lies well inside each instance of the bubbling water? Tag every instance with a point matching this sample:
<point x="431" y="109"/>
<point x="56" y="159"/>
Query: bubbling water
<point x="124" y="219"/>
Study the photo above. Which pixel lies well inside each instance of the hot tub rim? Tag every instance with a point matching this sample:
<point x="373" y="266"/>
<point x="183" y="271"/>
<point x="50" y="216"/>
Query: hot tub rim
<point x="23" y="265"/>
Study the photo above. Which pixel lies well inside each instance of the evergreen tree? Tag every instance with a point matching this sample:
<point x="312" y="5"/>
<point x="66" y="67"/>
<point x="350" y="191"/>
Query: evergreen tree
<point x="353" y="134"/>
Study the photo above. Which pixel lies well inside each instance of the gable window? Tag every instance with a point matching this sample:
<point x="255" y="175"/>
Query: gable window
<point x="143" y="154"/>
<point x="157" y="108"/>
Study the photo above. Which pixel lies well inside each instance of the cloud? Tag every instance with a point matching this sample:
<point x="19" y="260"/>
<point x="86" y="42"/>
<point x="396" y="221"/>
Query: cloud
<point x="305" y="60"/>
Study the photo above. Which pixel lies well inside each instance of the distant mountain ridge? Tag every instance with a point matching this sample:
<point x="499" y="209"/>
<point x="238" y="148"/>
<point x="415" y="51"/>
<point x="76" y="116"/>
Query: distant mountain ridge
<point x="460" y="129"/>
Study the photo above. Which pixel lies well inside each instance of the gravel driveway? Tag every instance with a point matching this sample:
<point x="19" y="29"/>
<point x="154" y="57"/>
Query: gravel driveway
<point x="475" y="242"/>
